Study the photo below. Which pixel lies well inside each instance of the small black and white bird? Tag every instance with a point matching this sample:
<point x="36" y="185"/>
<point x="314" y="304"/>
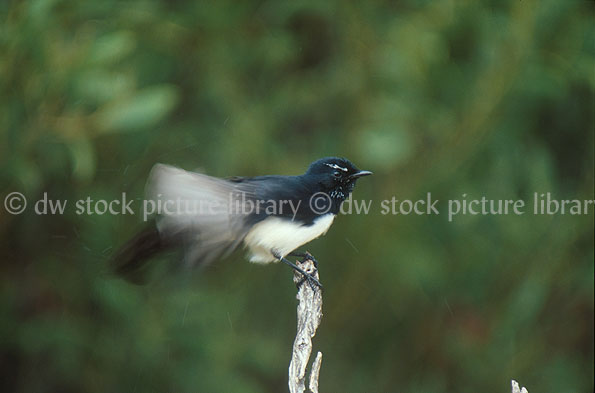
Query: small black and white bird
<point x="208" y="217"/>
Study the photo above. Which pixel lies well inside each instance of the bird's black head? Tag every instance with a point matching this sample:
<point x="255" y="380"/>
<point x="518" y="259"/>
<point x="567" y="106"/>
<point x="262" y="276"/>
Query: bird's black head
<point x="335" y="176"/>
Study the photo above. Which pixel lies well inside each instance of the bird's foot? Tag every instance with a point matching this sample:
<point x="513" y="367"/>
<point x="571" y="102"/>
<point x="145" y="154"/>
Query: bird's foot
<point x="310" y="266"/>
<point x="307" y="276"/>
<point x="305" y="257"/>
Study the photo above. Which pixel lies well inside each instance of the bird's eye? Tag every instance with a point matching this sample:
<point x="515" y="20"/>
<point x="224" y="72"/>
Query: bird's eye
<point x="337" y="174"/>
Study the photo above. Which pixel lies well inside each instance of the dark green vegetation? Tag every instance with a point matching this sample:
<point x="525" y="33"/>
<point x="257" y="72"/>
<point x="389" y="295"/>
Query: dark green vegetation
<point x="491" y="98"/>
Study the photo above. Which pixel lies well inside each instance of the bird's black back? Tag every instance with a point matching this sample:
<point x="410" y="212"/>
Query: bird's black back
<point x="297" y="189"/>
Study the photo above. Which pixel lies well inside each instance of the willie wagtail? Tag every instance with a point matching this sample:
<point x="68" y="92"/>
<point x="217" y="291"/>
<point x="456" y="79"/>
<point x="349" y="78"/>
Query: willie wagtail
<point x="209" y="217"/>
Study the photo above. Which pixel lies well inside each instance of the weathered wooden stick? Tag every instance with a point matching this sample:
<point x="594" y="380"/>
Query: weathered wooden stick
<point x="517" y="389"/>
<point x="309" y="314"/>
<point x="315" y="373"/>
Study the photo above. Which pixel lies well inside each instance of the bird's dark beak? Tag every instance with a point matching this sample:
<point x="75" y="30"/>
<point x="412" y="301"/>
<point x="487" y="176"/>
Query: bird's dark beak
<point x="359" y="174"/>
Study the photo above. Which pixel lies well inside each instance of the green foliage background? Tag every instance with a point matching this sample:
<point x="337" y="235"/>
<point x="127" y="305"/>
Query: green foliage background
<point x="489" y="98"/>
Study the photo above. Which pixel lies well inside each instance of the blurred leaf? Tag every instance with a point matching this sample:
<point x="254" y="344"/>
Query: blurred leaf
<point x="100" y="86"/>
<point x="112" y="47"/>
<point x="83" y="158"/>
<point x="144" y="109"/>
<point x="385" y="148"/>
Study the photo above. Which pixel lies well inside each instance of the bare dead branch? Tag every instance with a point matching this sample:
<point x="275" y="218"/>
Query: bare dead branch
<point x="309" y="315"/>
<point x="517" y="389"/>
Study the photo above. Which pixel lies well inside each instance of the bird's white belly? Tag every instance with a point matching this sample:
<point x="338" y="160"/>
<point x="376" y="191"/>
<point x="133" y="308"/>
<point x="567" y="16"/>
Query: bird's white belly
<point x="283" y="236"/>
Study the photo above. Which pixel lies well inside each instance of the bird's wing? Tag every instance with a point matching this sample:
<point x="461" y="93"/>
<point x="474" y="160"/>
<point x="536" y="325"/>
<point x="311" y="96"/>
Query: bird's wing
<point x="205" y="212"/>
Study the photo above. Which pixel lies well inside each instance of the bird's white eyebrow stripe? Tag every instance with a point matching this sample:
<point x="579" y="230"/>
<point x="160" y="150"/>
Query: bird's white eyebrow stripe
<point x="335" y="166"/>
